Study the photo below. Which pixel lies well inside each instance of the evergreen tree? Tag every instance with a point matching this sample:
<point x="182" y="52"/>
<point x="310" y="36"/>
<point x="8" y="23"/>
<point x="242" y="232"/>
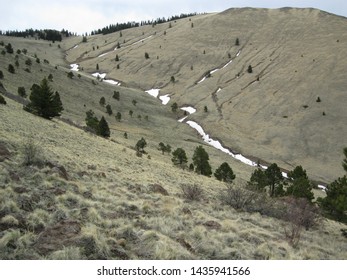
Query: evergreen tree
<point x="174" y="107"/>
<point x="43" y="101"/>
<point x="258" y="180"/>
<point x="11" y="69"/>
<point x="9" y="48"/>
<point x="237" y="42"/>
<point x="116" y="95"/>
<point x="109" y="109"/>
<point x="103" y="128"/>
<point x="1" y="75"/>
<point x="140" y="146"/>
<point x="92" y="121"/>
<point x="179" y="158"/>
<point x="21" y="92"/>
<point x="102" y="101"/>
<point x="200" y="160"/>
<point x="225" y="173"/>
<point x="131" y="113"/>
<point x="274" y="180"/>
<point x="300" y="186"/>
<point x="344" y="162"/>
<point x="250" y="69"/>
<point x="335" y="202"/>
<point x="118" y="116"/>
<point x="164" y="148"/>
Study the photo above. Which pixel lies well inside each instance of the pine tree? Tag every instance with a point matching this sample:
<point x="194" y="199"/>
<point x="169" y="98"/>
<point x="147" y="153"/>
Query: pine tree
<point x="179" y="158"/>
<point x="118" y="116"/>
<point x="300" y="186"/>
<point x="92" y="121"/>
<point x="344" y="162"/>
<point x="102" y="101"/>
<point x="237" y="42"/>
<point x="274" y="180"/>
<point x="43" y="101"/>
<point x="103" y="128"/>
<point x="116" y="95"/>
<point x="200" y="160"/>
<point x="250" y="69"/>
<point x="225" y="173"/>
<point x="9" y="48"/>
<point x="11" y="69"/>
<point x="174" y="107"/>
<point x="335" y="202"/>
<point x="258" y="180"/>
<point x="109" y="109"/>
<point x="140" y="146"/>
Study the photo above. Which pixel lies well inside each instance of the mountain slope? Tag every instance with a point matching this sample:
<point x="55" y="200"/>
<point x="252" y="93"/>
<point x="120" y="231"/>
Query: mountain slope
<point x="87" y="197"/>
<point x="297" y="54"/>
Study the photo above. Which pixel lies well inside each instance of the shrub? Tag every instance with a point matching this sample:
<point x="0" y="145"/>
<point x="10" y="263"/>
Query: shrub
<point x="237" y="197"/>
<point x="1" y="75"/>
<point x="299" y="214"/>
<point x="192" y="192"/>
<point x="146" y="55"/>
<point x="31" y="153"/>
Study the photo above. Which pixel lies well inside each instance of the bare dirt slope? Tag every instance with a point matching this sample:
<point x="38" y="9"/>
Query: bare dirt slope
<point x="298" y="55"/>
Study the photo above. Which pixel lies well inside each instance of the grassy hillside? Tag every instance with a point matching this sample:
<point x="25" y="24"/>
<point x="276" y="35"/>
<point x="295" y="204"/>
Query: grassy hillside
<point x="297" y="54"/>
<point x="86" y="197"/>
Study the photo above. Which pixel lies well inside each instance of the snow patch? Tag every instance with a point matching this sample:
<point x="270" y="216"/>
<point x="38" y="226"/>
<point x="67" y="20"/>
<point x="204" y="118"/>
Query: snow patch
<point x="189" y="109"/>
<point x="153" y="92"/>
<point x="103" y="54"/>
<point x="74" y="67"/>
<point x="216" y="144"/>
<point x="227" y="64"/>
<point x="164" y="99"/>
<point x="101" y="76"/>
<point x="75" y="47"/>
<point x="112" y="82"/>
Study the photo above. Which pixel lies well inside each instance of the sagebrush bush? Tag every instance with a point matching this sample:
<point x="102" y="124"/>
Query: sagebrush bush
<point x="192" y="192"/>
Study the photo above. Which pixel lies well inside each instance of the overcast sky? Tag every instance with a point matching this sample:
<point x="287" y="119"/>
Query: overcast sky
<point x="86" y="15"/>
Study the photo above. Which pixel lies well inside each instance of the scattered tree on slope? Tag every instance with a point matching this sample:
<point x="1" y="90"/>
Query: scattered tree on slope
<point x="43" y="101"/>
<point x="224" y="173"/>
<point x="200" y="160"/>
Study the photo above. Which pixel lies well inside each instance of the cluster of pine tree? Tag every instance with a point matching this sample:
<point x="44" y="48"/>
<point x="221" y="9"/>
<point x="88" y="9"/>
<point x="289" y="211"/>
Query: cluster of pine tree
<point x="45" y="34"/>
<point x="131" y="24"/>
